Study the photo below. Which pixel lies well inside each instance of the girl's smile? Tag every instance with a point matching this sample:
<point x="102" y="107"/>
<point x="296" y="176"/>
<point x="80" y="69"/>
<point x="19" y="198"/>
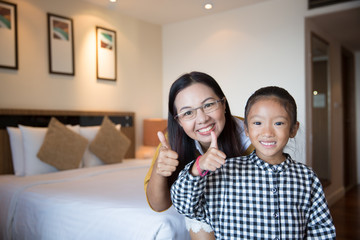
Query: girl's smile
<point x="268" y="144"/>
<point x="269" y="129"/>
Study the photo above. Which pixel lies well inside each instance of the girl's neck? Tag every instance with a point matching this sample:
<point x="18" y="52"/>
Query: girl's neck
<point x="272" y="160"/>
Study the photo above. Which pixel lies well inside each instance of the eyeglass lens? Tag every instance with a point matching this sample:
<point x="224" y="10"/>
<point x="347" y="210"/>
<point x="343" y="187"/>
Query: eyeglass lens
<point x="206" y="108"/>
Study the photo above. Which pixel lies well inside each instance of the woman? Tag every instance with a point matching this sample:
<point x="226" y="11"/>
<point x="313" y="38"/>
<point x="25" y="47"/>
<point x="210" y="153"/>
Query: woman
<point x="197" y="106"/>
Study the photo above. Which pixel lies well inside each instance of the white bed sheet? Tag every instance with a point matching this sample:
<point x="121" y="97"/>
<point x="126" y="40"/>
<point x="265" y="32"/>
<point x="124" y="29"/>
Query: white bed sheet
<point x="103" y="202"/>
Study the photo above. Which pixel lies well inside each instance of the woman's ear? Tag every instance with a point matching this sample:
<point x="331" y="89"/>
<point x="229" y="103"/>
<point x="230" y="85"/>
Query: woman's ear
<point x="294" y="130"/>
<point x="179" y="123"/>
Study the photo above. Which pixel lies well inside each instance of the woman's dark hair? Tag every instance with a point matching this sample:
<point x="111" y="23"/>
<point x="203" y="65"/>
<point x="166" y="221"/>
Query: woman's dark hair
<point x="228" y="141"/>
<point x="283" y="96"/>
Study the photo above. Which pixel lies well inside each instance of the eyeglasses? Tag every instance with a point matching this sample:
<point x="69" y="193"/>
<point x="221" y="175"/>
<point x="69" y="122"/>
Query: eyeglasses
<point x="207" y="108"/>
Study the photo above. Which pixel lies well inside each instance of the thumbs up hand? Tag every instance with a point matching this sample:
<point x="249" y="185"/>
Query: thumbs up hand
<point x="167" y="161"/>
<point x="212" y="159"/>
<point x="213" y="143"/>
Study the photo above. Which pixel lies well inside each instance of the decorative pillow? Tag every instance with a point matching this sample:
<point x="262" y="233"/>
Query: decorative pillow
<point x="90" y="159"/>
<point x="33" y="137"/>
<point x="110" y="145"/>
<point x="62" y="148"/>
<point x="16" y="145"/>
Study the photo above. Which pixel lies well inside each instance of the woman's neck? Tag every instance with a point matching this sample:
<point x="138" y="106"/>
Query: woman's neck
<point x="204" y="146"/>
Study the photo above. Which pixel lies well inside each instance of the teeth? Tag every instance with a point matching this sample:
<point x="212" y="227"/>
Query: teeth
<point x="268" y="143"/>
<point x="206" y="129"/>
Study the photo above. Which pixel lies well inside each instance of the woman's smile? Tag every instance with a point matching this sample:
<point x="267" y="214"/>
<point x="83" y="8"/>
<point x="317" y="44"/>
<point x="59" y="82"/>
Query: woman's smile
<point x="206" y="130"/>
<point x="203" y="124"/>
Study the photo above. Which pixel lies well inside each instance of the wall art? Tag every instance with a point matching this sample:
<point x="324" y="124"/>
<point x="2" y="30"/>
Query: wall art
<point x="8" y="36"/>
<point x="105" y="54"/>
<point x="61" y="45"/>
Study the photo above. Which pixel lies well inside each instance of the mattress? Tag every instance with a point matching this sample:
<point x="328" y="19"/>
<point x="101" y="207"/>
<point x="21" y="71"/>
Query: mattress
<point x="102" y="202"/>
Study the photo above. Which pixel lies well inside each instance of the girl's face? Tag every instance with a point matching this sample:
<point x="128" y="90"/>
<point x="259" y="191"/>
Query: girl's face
<point x="200" y="127"/>
<point x="269" y="129"/>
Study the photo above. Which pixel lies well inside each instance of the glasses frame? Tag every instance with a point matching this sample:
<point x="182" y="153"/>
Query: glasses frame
<point x="202" y="108"/>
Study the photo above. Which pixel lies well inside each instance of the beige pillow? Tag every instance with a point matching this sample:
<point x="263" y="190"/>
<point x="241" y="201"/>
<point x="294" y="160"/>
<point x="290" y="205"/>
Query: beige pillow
<point x="62" y="148"/>
<point x="109" y="144"/>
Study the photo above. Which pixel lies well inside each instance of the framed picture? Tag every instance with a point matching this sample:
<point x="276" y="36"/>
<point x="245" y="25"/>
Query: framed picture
<point x="105" y="54"/>
<point x="8" y="36"/>
<point x="61" y="45"/>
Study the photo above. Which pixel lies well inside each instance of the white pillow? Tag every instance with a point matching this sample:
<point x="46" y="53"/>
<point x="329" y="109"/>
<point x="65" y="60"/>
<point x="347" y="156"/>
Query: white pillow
<point x="16" y="145"/>
<point x="33" y="138"/>
<point x="90" y="159"/>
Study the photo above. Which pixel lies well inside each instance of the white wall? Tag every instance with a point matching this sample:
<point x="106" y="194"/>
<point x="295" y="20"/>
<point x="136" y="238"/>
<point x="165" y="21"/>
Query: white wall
<point x="243" y="49"/>
<point x="139" y="63"/>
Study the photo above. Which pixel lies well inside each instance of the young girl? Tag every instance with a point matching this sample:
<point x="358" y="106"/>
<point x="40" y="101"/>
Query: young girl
<point x="266" y="195"/>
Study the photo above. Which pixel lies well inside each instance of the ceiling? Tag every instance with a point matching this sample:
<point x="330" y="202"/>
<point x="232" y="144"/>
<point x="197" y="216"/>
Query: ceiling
<point x="169" y="11"/>
<point x="343" y="25"/>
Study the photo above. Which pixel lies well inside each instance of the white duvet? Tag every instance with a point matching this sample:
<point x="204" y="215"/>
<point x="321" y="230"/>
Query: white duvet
<point x="104" y="202"/>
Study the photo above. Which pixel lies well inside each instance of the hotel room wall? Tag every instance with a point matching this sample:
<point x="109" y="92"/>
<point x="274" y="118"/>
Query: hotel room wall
<point x="247" y="48"/>
<point x="243" y="49"/>
<point x="138" y="86"/>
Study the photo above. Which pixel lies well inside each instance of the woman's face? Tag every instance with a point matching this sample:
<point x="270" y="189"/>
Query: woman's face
<point x="200" y="127"/>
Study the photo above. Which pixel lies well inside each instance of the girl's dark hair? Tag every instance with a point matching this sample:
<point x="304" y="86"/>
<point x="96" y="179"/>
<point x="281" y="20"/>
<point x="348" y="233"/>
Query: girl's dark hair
<point x="228" y="141"/>
<point x="283" y="96"/>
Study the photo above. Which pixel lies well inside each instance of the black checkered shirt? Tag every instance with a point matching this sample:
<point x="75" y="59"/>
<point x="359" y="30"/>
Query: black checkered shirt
<point x="248" y="198"/>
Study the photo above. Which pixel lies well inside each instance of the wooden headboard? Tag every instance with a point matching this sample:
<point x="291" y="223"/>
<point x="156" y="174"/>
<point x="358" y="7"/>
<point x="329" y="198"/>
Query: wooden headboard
<point x="41" y="118"/>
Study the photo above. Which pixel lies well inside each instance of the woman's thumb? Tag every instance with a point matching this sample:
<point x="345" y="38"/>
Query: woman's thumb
<point x="213" y="140"/>
<point x="162" y="139"/>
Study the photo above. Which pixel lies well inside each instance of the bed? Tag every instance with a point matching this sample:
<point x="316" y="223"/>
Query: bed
<point x="99" y="201"/>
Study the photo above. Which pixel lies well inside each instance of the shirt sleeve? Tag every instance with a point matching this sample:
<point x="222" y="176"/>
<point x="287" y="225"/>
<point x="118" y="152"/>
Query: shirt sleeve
<point x="148" y="175"/>
<point x="320" y="224"/>
<point x="187" y="194"/>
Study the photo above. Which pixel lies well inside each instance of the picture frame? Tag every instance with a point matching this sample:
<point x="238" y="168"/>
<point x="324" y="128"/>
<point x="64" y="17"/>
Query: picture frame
<point x="106" y="54"/>
<point x="61" y="45"/>
<point x="8" y="36"/>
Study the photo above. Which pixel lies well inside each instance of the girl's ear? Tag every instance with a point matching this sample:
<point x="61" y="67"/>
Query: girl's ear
<point x="246" y="130"/>
<point x="294" y="130"/>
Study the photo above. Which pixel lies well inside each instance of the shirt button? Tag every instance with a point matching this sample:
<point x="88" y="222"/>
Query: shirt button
<point x="274" y="190"/>
<point x="276" y="215"/>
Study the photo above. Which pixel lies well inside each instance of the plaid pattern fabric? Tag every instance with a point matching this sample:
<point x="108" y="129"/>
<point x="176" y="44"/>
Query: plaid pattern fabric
<point x="248" y="198"/>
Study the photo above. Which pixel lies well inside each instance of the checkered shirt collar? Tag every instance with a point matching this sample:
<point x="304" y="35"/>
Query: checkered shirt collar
<point x="269" y="167"/>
